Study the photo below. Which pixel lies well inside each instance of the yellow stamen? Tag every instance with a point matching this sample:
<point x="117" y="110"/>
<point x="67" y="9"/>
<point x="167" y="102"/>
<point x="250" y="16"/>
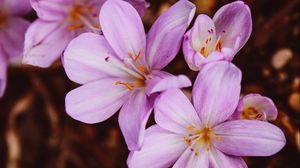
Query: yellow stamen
<point x="130" y="54"/>
<point x="187" y="141"/>
<point x="142" y="68"/>
<point x="138" y="56"/>
<point x="191" y="128"/>
<point x="76" y="12"/>
<point x="250" y="113"/>
<point x="200" y="138"/>
<point x="128" y="86"/>
<point x="202" y="51"/>
<point x="73" y="27"/>
<point x="219" y="45"/>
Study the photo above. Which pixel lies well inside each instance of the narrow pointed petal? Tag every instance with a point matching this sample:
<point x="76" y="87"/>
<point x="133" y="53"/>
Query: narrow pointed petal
<point x="45" y="42"/>
<point x="3" y="69"/>
<point x="161" y="81"/>
<point x="233" y="22"/>
<point x="220" y="160"/>
<point x="16" y="7"/>
<point x="189" y="160"/>
<point x="55" y="10"/>
<point x="160" y="149"/>
<point x="216" y="92"/>
<point x="96" y="101"/>
<point x="262" y="105"/>
<point x="174" y="112"/>
<point x="12" y="37"/>
<point x="123" y="29"/>
<point x="166" y="34"/>
<point x="85" y="63"/>
<point x="203" y="33"/>
<point x="249" y="138"/>
<point x="133" y="118"/>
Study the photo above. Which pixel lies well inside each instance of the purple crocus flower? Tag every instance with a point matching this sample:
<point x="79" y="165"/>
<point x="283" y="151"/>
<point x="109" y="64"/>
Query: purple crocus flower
<point x="219" y="38"/>
<point x="200" y="135"/>
<point x="123" y="67"/>
<point x="255" y="107"/>
<point x="12" y="30"/>
<point x="59" y="22"/>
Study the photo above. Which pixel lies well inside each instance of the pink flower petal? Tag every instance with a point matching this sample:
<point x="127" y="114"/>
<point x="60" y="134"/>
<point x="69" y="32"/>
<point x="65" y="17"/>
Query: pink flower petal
<point x="96" y="101"/>
<point x="123" y="29"/>
<point x="12" y="37"/>
<point x="160" y="149"/>
<point x="140" y="5"/>
<point x="189" y="160"/>
<point x="203" y="33"/>
<point x="52" y="10"/>
<point x="216" y="92"/>
<point x="220" y="160"/>
<point x="165" y="36"/>
<point x="174" y="112"/>
<point x="249" y="138"/>
<point x="88" y="58"/>
<point x="45" y="42"/>
<point x="133" y="118"/>
<point x="233" y="22"/>
<point x="161" y="81"/>
<point x="16" y="7"/>
<point x="3" y="69"/>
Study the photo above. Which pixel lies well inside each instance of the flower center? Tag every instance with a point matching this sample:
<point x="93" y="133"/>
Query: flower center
<point x="82" y="16"/>
<point x="210" y="44"/>
<point x="250" y="113"/>
<point x="200" y="139"/>
<point x="134" y="67"/>
<point x="2" y="18"/>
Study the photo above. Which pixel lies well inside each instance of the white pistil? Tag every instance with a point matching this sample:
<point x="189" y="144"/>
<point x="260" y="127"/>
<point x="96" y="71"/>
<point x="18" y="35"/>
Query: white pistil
<point x="119" y="65"/>
<point x="88" y="24"/>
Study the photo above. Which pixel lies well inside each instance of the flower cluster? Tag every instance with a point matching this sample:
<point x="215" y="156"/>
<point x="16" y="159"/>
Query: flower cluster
<point x="104" y="48"/>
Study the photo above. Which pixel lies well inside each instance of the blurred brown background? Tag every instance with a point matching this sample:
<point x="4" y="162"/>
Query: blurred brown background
<point x="35" y="131"/>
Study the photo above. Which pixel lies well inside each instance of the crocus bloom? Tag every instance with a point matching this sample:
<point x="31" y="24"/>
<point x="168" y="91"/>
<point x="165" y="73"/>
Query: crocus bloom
<point x="59" y="22"/>
<point x="255" y="107"/>
<point x="12" y="30"/>
<point x="200" y="135"/>
<point x="219" y="38"/>
<point x="120" y="70"/>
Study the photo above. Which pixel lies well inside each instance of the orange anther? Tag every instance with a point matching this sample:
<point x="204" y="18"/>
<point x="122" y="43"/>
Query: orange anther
<point x="190" y="128"/>
<point x="202" y="50"/>
<point x="90" y="7"/>
<point x="219" y="46"/>
<point x="128" y="86"/>
<point x="142" y="68"/>
<point x="73" y="27"/>
<point x="187" y="141"/>
<point x="138" y="56"/>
